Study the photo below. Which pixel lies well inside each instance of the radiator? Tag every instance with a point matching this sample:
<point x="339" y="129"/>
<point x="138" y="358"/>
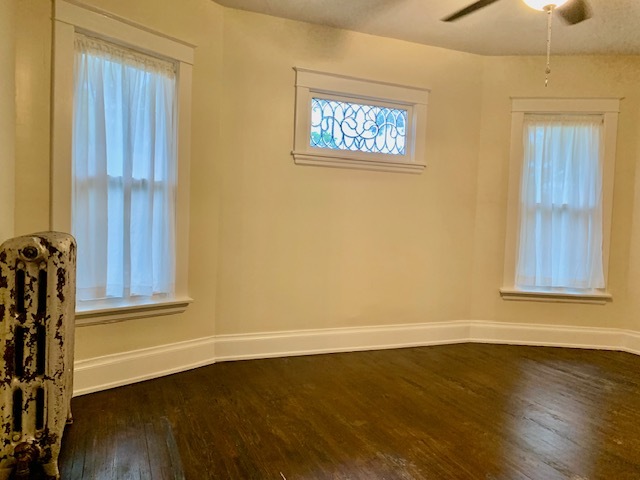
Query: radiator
<point x="37" y="308"/>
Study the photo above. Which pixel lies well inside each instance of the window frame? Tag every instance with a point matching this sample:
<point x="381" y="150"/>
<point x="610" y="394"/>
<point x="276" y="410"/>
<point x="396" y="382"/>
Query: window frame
<point x="311" y="83"/>
<point x="71" y="18"/>
<point x="609" y="109"/>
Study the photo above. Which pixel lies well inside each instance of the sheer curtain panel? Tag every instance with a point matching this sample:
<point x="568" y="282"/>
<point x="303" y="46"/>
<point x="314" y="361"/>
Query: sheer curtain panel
<point x="124" y="171"/>
<point x="560" y="242"/>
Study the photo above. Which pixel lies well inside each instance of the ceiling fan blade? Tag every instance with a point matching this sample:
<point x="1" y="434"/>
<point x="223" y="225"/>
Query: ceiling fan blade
<point x="467" y="10"/>
<point x="575" y="11"/>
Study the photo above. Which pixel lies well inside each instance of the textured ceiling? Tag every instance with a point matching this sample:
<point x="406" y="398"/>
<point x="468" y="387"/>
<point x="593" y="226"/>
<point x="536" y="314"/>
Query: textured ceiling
<point x="507" y="27"/>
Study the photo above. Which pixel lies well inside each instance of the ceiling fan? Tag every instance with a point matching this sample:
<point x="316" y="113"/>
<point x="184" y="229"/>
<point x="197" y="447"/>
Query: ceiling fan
<point x="571" y="11"/>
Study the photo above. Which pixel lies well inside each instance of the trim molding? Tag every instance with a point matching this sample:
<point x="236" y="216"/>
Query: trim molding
<point x="337" y="161"/>
<point x="334" y="340"/>
<point x="109" y="371"/>
<point x="594" y="297"/>
<point x="110" y="313"/>
<point x="119" y="369"/>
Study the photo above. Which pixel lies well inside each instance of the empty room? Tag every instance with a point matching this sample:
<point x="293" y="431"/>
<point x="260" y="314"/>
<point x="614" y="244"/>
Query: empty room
<point x="322" y="239"/>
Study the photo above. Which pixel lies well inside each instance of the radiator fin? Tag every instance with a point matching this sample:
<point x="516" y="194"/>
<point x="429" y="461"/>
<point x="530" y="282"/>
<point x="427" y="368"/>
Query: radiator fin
<point x="41" y="357"/>
<point x="42" y="291"/>
<point x="19" y="340"/>
<point x="20" y="291"/>
<point x="17" y="410"/>
<point x="40" y="408"/>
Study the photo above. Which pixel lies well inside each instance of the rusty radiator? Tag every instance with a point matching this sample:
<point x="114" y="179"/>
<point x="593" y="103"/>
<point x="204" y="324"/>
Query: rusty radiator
<point x="37" y="308"/>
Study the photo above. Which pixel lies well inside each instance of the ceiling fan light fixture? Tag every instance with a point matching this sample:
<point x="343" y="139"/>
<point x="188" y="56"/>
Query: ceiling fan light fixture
<point x="544" y="4"/>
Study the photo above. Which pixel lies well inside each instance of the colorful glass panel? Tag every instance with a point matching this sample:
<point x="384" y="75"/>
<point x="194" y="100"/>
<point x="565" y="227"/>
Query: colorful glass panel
<point x="358" y="127"/>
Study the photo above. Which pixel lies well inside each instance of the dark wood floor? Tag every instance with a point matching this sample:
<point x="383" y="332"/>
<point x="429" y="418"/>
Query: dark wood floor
<point x="456" y="412"/>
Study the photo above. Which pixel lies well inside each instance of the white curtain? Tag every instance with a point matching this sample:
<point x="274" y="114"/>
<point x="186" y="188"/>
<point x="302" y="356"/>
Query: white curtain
<point x="560" y="243"/>
<point x="124" y="171"/>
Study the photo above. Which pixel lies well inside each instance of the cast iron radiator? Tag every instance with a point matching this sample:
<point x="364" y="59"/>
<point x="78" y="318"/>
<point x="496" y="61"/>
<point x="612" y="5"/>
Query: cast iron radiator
<point x="37" y="309"/>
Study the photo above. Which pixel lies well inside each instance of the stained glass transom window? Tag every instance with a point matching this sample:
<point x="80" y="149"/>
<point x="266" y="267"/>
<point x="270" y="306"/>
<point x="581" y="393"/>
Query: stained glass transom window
<point x="351" y="126"/>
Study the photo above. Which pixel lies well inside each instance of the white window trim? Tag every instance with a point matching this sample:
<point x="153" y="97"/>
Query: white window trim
<point x="310" y="83"/>
<point x="609" y="108"/>
<point x="69" y="19"/>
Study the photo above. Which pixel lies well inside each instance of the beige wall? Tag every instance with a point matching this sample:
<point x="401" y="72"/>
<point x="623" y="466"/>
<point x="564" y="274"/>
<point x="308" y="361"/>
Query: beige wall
<point x="33" y="85"/>
<point x="7" y="116"/>
<point x="592" y="76"/>
<point x="274" y="246"/>
<point x="309" y="247"/>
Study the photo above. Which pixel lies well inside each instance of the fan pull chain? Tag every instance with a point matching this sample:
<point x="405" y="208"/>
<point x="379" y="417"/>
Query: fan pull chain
<point x="547" y="71"/>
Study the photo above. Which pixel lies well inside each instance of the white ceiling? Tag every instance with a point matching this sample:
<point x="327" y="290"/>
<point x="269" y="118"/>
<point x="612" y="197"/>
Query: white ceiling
<point x="507" y="27"/>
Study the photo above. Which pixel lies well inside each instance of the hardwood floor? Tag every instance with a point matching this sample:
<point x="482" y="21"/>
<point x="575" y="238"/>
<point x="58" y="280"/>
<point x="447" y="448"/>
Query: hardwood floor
<point x="458" y="412"/>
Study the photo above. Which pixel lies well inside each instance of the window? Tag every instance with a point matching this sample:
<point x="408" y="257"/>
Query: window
<point x="123" y="169"/>
<point x="560" y="199"/>
<point x="120" y="163"/>
<point x="345" y="125"/>
<point x="354" y="123"/>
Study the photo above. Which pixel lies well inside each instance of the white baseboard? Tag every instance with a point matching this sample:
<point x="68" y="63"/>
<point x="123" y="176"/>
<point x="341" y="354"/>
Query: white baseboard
<point x="631" y="342"/>
<point x="547" y="335"/>
<point x="110" y="371"/>
<point x="333" y="340"/>
<point x="102" y="373"/>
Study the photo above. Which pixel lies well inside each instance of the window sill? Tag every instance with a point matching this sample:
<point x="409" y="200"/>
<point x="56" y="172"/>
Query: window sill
<point x="595" y="297"/>
<point x="338" y="161"/>
<point x="109" y="312"/>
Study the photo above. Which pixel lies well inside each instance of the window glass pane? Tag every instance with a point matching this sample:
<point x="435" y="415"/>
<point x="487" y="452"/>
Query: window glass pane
<point x="124" y="162"/>
<point x="357" y="127"/>
<point x="561" y="203"/>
